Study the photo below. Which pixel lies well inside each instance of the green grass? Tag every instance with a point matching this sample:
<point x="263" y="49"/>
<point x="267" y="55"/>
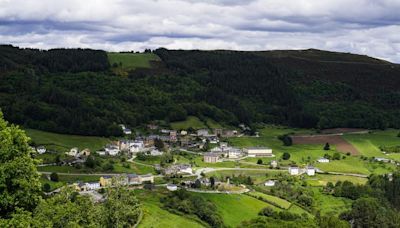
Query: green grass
<point x="213" y="124"/>
<point x="53" y="185"/>
<point x="82" y="178"/>
<point x="328" y="204"/>
<point x="191" y="121"/>
<point x="63" y="143"/>
<point x="368" y="144"/>
<point x="131" y="61"/>
<point x="276" y="200"/>
<point x="258" y="176"/>
<point x="236" y="208"/>
<point x="323" y="179"/>
<point x="60" y="169"/>
<point x="156" y="217"/>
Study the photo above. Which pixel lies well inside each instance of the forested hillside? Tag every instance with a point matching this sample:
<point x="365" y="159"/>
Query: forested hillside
<point x="76" y="90"/>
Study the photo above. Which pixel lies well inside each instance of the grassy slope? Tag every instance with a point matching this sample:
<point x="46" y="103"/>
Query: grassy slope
<point x="236" y="208"/>
<point x="66" y="142"/>
<point x="368" y="144"/>
<point x="156" y="217"/>
<point x="330" y="204"/>
<point x="191" y="121"/>
<point x="322" y="179"/>
<point x="130" y="61"/>
<point x="281" y="202"/>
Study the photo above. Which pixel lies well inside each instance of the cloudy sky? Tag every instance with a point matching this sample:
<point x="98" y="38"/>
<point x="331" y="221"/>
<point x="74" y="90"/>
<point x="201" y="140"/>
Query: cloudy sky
<point x="369" y="27"/>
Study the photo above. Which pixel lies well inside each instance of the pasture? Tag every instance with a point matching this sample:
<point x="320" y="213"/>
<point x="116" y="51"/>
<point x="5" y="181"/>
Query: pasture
<point x="62" y="142"/>
<point x="190" y="122"/>
<point x="131" y="61"/>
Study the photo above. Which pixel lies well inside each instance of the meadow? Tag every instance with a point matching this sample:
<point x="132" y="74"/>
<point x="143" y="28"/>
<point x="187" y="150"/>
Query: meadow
<point x="190" y="122"/>
<point x="284" y="204"/>
<point x="155" y="216"/>
<point x="129" y="61"/>
<point x="63" y="142"/>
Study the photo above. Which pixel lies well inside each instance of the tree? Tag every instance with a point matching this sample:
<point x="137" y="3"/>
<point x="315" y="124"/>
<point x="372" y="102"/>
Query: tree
<point x="159" y="144"/>
<point x="90" y="162"/>
<point x="46" y="187"/>
<point x="336" y="156"/>
<point x="286" y="156"/>
<point x="259" y="161"/>
<point x="327" y="146"/>
<point x="121" y="209"/>
<point x="54" y="177"/>
<point x="19" y="180"/>
<point x="286" y="139"/>
<point x="212" y="182"/>
<point x="332" y="222"/>
<point x="398" y="135"/>
<point x="197" y="184"/>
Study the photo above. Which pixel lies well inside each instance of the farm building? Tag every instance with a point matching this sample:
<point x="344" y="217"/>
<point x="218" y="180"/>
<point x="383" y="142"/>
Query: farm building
<point x="172" y="187"/>
<point x="274" y="164"/>
<point x="41" y="149"/>
<point x="323" y="160"/>
<point x="310" y="171"/>
<point x="294" y="170"/>
<point x="269" y="183"/>
<point x="259" y="152"/>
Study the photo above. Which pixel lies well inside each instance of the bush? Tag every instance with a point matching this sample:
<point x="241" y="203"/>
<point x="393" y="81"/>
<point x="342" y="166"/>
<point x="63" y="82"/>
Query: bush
<point x="286" y="156"/>
<point x="259" y="161"/>
<point x="327" y="146"/>
<point x="54" y="177"/>
<point x="46" y="187"/>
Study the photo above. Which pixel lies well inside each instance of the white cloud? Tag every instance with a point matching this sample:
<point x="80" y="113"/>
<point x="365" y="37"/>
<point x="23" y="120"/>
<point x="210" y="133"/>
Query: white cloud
<point x="361" y="26"/>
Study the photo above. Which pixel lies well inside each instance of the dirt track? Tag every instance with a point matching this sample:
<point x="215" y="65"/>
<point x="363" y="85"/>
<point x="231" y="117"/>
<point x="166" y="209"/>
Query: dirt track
<point x="341" y="144"/>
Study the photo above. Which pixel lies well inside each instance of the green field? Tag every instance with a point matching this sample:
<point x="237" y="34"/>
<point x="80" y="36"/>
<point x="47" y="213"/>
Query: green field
<point x="258" y="176"/>
<point x="156" y="217"/>
<point x="323" y="179"/>
<point x="368" y="144"/>
<point x="191" y="121"/>
<point x="328" y="204"/>
<point x="131" y="61"/>
<point x="62" y="143"/>
<point x="236" y="208"/>
<point x="284" y="204"/>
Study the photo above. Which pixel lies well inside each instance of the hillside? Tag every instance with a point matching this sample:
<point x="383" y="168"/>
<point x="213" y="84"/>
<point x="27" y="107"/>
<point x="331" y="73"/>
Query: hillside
<point x="90" y="92"/>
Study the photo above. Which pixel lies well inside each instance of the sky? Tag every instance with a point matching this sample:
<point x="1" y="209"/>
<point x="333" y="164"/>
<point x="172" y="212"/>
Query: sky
<point x="370" y="27"/>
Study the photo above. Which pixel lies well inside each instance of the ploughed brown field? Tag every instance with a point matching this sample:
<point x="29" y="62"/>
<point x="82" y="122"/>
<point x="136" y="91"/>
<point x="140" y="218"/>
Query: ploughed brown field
<point x="341" y="144"/>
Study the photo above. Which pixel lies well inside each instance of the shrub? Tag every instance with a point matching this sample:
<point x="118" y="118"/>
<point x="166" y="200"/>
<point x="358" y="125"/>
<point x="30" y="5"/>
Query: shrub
<point x="54" y="177"/>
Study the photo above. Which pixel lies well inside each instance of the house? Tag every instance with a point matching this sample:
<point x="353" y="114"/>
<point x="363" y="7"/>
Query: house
<point x="156" y="152"/>
<point x="218" y="131"/>
<point x="172" y="187"/>
<point x="382" y="160"/>
<point x="165" y="131"/>
<point x="274" y="164"/>
<point x="202" y="132"/>
<point x="101" y="152"/>
<point x="73" y="152"/>
<point x="211" y="157"/>
<point x="234" y="153"/>
<point x="85" y="153"/>
<point x="105" y="181"/>
<point x="294" y="170"/>
<point x="127" y="131"/>
<point x="133" y="179"/>
<point x="173" y="136"/>
<point x="174" y="169"/>
<point x="269" y="183"/>
<point x="183" y="133"/>
<point x="310" y="171"/>
<point x="223" y="144"/>
<point x="259" y="152"/>
<point x="213" y="139"/>
<point x="185" y="168"/>
<point x="323" y="160"/>
<point x="112" y="150"/>
<point x="92" y="186"/>
<point x="146" y="178"/>
<point x="41" y="149"/>
<point x="229" y="133"/>
<point x="152" y="126"/>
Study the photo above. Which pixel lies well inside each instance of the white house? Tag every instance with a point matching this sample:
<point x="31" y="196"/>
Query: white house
<point x="183" y="132"/>
<point x="310" y="171"/>
<point x="101" y="152"/>
<point x="185" y="169"/>
<point x="211" y="157"/>
<point x="274" y="164"/>
<point x="202" y="132"/>
<point x="172" y="187"/>
<point x="269" y="183"/>
<point x="234" y="153"/>
<point x="259" y="152"/>
<point x="73" y="152"/>
<point x="323" y="160"/>
<point x="156" y="152"/>
<point x="41" y="149"/>
<point x="112" y="150"/>
<point x="127" y="131"/>
<point x="92" y="185"/>
<point x="294" y="170"/>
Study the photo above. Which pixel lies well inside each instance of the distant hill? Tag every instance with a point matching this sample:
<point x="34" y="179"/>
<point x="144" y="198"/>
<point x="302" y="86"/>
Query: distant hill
<point x="78" y="90"/>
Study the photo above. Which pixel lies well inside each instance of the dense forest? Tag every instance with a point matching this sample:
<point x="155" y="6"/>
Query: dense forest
<point x="75" y="90"/>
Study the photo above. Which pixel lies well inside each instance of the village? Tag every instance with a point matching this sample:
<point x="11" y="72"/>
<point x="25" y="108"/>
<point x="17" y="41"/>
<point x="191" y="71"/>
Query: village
<point x="210" y="145"/>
